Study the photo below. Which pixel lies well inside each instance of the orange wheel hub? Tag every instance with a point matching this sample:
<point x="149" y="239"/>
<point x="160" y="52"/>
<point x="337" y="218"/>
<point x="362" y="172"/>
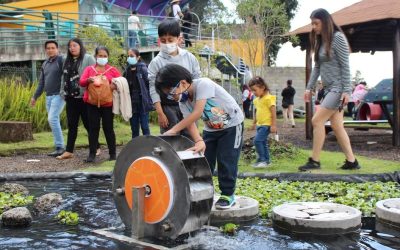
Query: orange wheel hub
<point x="152" y="173"/>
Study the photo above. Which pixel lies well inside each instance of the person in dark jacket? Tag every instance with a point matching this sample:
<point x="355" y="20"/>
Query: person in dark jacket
<point x="137" y="77"/>
<point x="187" y="21"/>
<point x="287" y="103"/>
<point x="50" y="82"/>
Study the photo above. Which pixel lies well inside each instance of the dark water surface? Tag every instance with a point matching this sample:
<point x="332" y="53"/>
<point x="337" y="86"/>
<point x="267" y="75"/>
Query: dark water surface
<point x="93" y="201"/>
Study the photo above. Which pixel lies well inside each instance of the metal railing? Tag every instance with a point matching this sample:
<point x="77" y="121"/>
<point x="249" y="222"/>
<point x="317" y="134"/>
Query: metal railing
<point x="26" y="28"/>
<point x="22" y="27"/>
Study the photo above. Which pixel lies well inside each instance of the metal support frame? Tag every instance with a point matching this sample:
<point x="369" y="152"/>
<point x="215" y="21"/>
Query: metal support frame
<point x="34" y="71"/>
<point x="138" y="222"/>
<point x="309" y="111"/>
<point x="111" y="4"/>
<point x="396" y="86"/>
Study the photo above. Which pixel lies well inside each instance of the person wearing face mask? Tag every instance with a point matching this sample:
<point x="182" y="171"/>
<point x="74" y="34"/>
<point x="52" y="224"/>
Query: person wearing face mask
<point x="103" y="112"/>
<point x="77" y="60"/>
<point x="168" y="111"/>
<point x="138" y="81"/>
<point x="223" y="123"/>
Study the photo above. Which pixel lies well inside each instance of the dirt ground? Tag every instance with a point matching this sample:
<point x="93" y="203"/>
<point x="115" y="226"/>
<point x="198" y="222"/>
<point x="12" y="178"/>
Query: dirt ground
<point x="374" y="143"/>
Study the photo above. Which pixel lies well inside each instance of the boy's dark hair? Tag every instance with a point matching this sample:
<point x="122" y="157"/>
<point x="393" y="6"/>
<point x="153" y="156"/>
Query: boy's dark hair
<point x="96" y="51"/>
<point x="169" y="27"/>
<point x="289" y="82"/>
<point x="134" y="12"/>
<point x="259" y="81"/>
<point x="50" y="41"/>
<point x="170" y="75"/>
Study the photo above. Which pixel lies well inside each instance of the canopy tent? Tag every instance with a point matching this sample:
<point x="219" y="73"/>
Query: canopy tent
<point x="369" y="25"/>
<point x="146" y="7"/>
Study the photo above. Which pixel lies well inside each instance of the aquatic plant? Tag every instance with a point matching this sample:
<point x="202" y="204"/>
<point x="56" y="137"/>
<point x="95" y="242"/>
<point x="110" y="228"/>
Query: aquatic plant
<point x="8" y="201"/>
<point x="229" y="228"/>
<point x="271" y="193"/>
<point x="68" y="218"/>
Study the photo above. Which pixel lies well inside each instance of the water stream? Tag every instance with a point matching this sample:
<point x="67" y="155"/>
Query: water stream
<point x="92" y="200"/>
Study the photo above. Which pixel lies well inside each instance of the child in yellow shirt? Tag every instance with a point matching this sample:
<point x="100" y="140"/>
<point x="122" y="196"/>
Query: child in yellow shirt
<point x="264" y="120"/>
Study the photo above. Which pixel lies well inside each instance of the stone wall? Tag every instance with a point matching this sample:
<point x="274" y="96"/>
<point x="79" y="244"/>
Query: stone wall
<point x="16" y="50"/>
<point x="276" y="78"/>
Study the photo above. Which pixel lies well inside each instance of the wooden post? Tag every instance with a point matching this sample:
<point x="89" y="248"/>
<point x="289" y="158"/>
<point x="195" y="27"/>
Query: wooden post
<point x="396" y="86"/>
<point x="309" y="111"/>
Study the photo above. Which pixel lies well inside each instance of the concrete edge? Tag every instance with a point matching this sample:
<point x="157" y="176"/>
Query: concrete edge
<point x="53" y="175"/>
<point x="383" y="177"/>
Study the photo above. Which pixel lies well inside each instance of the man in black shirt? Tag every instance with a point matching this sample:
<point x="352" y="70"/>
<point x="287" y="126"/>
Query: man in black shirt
<point x="287" y="103"/>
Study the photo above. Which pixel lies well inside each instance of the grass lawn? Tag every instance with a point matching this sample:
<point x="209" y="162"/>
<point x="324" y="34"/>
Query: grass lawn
<point x="330" y="160"/>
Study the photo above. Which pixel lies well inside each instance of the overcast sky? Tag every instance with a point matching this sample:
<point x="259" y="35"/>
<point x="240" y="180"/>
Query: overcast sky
<point x="372" y="67"/>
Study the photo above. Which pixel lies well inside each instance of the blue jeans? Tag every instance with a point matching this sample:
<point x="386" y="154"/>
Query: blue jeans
<point x="141" y="118"/>
<point x="224" y="148"/>
<point x="132" y="38"/>
<point x="54" y="107"/>
<point x="261" y="143"/>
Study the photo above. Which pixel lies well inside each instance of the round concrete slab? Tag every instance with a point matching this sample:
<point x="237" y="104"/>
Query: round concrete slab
<point x="245" y="209"/>
<point x="388" y="211"/>
<point x="320" y="218"/>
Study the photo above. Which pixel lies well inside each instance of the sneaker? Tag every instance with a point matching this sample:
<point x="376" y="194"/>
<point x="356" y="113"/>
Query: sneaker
<point x="311" y="164"/>
<point x="57" y="152"/>
<point x="225" y="202"/>
<point x="261" y="164"/>
<point x="350" y="165"/>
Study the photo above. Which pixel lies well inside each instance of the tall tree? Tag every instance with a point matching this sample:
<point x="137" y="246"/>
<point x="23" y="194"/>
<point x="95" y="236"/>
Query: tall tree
<point x="209" y="11"/>
<point x="268" y="17"/>
<point x="290" y="8"/>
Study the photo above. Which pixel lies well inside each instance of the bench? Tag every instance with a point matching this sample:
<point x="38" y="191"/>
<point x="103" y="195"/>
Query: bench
<point x="356" y="124"/>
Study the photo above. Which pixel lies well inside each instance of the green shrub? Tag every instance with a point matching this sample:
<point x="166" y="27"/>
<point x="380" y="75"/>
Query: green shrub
<point x="15" y="105"/>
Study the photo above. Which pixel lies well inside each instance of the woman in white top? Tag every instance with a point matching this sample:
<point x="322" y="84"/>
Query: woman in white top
<point x="176" y="9"/>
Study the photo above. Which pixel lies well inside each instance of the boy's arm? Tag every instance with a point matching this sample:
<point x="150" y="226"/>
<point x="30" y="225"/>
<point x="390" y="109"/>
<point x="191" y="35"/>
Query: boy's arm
<point x="155" y="97"/>
<point x="196" y="72"/>
<point x="199" y="144"/>
<point x="191" y="118"/>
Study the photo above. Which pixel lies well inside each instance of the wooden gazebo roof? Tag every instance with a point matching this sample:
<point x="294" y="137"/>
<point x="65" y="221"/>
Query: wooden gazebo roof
<point x="369" y="25"/>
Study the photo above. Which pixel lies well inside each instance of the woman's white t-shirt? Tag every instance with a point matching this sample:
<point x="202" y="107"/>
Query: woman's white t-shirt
<point x="176" y="9"/>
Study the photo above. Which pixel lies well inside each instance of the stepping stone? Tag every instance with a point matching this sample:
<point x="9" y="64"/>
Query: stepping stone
<point x="245" y="209"/>
<point x="321" y="218"/>
<point x="388" y="212"/>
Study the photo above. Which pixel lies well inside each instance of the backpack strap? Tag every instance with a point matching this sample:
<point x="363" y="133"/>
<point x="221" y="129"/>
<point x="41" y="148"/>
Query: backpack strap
<point x="97" y="73"/>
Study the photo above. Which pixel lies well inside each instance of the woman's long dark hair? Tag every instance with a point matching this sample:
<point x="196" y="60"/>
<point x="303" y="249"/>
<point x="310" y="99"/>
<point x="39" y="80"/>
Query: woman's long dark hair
<point x="328" y="29"/>
<point x="82" y="52"/>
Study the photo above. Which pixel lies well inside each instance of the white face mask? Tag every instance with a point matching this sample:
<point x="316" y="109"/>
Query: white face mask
<point x="168" y="48"/>
<point x="102" y="61"/>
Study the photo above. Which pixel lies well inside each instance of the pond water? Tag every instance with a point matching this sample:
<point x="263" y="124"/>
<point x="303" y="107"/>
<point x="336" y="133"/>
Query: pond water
<point x="93" y="200"/>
